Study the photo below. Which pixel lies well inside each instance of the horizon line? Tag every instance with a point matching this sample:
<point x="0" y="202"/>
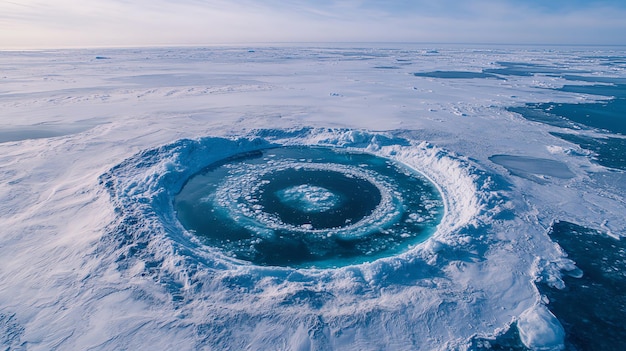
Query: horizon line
<point x="298" y="43"/>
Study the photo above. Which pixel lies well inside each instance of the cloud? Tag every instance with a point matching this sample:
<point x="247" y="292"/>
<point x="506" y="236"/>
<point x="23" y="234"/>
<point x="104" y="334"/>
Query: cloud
<point x="66" y="23"/>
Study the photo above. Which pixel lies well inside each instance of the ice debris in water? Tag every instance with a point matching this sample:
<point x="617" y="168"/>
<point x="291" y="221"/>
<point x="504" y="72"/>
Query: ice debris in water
<point x="309" y="198"/>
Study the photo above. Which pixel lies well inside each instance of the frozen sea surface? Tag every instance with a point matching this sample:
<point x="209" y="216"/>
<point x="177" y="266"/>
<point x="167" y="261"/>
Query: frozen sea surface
<point x="524" y="145"/>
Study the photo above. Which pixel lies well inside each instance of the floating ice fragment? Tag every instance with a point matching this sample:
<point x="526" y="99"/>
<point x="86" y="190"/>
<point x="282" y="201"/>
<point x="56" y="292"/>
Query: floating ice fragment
<point x="309" y="198"/>
<point x="540" y="330"/>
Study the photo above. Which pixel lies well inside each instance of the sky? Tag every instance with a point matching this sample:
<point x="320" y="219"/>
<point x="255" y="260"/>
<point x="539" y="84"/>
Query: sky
<point x="119" y="23"/>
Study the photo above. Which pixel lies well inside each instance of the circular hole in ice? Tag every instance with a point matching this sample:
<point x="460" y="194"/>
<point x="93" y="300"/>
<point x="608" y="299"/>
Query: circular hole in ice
<point x="309" y="207"/>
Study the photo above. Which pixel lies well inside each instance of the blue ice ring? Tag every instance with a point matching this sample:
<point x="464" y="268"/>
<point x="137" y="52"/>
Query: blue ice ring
<point x="234" y="197"/>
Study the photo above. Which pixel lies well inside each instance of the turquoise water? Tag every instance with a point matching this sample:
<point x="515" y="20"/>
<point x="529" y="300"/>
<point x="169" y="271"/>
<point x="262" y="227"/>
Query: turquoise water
<point x="309" y="207"/>
<point x="319" y="199"/>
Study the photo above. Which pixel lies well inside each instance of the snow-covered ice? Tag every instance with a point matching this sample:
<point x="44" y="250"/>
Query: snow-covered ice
<point x="93" y="151"/>
<point x="540" y="330"/>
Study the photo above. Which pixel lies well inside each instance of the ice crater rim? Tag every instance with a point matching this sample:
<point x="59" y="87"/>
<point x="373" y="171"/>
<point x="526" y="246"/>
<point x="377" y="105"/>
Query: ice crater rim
<point x="142" y="186"/>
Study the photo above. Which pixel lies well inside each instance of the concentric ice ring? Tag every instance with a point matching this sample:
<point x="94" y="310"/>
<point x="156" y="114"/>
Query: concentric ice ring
<point x="303" y="207"/>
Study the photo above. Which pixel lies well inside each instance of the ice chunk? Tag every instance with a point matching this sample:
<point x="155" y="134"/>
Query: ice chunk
<point x="539" y="329"/>
<point x="309" y="198"/>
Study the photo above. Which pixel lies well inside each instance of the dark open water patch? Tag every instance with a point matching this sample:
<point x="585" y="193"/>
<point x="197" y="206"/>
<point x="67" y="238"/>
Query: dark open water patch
<point x="608" y="115"/>
<point x="304" y="206"/>
<point x="525" y="69"/>
<point x="534" y="112"/>
<point x="608" y="152"/>
<point x="604" y="116"/>
<point x="615" y="90"/>
<point x="594" y="79"/>
<point x="519" y="69"/>
<point x="456" y="75"/>
<point x="506" y="69"/>
<point x="591" y="308"/>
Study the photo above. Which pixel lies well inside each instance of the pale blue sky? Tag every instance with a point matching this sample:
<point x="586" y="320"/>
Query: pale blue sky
<point x="94" y="23"/>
